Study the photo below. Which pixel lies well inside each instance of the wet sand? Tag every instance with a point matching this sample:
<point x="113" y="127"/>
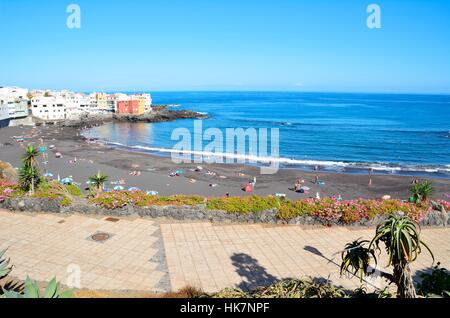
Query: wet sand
<point x="155" y="170"/>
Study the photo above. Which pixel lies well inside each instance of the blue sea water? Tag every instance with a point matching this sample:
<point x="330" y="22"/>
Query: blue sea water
<point x="344" y="132"/>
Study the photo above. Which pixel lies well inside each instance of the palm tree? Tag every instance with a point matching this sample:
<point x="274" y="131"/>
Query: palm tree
<point x="421" y="191"/>
<point x="98" y="180"/>
<point x="29" y="175"/>
<point x="401" y="237"/>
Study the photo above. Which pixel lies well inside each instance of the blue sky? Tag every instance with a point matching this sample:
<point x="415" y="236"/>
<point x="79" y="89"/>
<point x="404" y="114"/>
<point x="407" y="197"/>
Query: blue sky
<point x="290" y="45"/>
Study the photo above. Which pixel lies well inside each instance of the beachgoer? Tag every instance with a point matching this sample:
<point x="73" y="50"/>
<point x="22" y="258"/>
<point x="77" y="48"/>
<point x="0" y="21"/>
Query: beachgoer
<point x="297" y="186"/>
<point x="316" y="179"/>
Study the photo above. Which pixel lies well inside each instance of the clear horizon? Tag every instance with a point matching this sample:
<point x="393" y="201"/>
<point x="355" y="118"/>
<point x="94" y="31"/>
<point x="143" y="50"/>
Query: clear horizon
<point x="262" y="46"/>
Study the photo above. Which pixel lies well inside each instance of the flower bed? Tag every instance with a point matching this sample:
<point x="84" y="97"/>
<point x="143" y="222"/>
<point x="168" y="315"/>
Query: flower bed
<point x="327" y="209"/>
<point x="120" y="199"/>
<point x="240" y="209"/>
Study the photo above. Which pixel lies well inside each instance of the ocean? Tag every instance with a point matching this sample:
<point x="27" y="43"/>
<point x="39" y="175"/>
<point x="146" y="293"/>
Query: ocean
<point x="341" y="132"/>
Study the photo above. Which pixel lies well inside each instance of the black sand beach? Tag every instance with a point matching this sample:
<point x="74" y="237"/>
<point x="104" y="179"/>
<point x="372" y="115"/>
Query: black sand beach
<point x="154" y="170"/>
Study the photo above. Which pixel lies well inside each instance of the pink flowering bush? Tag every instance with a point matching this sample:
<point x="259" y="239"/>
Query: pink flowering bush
<point x="445" y="204"/>
<point x="349" y="211"/>
<point x="6" y="189"/>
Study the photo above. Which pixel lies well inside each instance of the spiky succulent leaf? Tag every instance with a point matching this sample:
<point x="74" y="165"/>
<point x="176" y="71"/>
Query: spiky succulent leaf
<point x="52" y="289"/>
<point x="5" y="269"/>
<point x="31" y="289"/>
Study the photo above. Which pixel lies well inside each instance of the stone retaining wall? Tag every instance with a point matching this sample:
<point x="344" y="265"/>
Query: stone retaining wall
<point x="438" y="217"/>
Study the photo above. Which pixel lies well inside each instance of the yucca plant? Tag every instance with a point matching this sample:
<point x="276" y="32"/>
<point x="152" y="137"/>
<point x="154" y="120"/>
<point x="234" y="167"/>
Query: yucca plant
<point x="421" y="191"/>
<point x="401" y="237"/>
<point x="98" y="180"/>
<point x="29" y="175"/>
<point x="31" y="290"/>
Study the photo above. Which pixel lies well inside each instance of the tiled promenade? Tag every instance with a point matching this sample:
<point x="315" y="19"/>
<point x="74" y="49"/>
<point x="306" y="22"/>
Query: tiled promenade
<point x="144" y="255"/>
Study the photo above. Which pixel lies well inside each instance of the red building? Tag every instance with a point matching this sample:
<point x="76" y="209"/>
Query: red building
<point x="128" y="107"/>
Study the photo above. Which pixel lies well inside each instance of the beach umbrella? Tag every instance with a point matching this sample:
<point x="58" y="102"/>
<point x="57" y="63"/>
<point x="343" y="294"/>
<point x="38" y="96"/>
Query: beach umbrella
<point x="118" y="188"/>
<point x="58" y="155"/>
<point x="179" y="172"/>
<point x="152" y="192"/>
<point x="48" y="175"/>
<point x="66" y="181"/>
<point x="134" y="189"/>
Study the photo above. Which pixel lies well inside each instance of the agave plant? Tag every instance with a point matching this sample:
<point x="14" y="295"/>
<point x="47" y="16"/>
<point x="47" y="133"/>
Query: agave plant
<point x="361" y="292"/>
<point x="5" y="269"/>
<point x="401" y="237"/>
<point x="356" y="258"/>
<point x="422" y="191"/>
<point x="298" y="288"/>
<point x="31" y="290"/>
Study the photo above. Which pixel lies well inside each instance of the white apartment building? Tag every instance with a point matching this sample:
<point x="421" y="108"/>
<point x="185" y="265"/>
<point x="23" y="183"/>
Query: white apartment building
<point x="14" y="92"/>
<point x="17" y="107"/>
<point x="99" y="103"/>
<point x="49" y="108"/>
<point x="77" y="105"/>
<point x="17" y="101"/>
<point x="4" y="114"/>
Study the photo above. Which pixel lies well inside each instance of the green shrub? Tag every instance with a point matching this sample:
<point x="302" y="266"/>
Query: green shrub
<point x="421" y="191"/>
<point x="244" y="205"/>
<point x="292" y="209"/>
<point x="66" y="202"/>
<point x="435" y="283"/>
<point x="120" y="199"/>
<point x="288" y="288"/>
<point x="73" y="190"/>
